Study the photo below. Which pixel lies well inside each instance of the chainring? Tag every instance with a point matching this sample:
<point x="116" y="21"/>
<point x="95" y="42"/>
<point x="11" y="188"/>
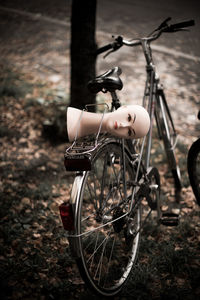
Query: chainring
<point x="154" y="188"/>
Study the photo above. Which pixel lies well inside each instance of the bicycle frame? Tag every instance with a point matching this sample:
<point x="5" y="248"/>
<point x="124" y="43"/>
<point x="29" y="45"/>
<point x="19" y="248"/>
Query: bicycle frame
<point x="149" y="102"/>
<point x="149" y="99"/>
<point x="152" y="91"/>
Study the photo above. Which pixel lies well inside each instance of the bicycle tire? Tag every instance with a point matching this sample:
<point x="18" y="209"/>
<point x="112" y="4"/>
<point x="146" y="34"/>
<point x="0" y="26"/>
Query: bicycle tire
<point x="193" y="166"/>
<point x="107" y="253"/>
<point x="168" y="134"/>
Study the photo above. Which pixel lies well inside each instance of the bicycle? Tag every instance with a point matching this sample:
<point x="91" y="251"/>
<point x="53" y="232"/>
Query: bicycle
<point x="193" y="166"/>
<point x="105" y="216"/>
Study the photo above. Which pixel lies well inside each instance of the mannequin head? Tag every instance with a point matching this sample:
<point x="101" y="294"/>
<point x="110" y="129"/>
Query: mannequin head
<point x="130" y="122"/>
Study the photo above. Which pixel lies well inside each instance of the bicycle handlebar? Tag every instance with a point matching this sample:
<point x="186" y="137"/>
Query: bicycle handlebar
<point x="163" y="27"/>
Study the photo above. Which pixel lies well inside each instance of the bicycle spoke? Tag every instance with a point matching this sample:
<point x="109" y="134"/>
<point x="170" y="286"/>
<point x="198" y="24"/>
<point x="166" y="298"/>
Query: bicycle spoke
<point x="109" y="260"/>
<point x="96" y="249"/>
<point x="99" y="266"/>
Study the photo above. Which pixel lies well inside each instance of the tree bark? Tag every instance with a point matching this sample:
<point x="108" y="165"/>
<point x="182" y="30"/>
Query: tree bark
<point x="83" y="47"/>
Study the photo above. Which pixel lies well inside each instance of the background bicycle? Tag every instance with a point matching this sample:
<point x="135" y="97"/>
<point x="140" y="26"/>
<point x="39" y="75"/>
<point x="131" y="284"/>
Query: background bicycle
<point x="193" y="165"/>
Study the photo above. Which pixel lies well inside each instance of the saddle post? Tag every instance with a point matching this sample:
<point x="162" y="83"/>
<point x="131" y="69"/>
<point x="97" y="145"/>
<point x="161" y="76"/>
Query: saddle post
<point x="115" y="100"/>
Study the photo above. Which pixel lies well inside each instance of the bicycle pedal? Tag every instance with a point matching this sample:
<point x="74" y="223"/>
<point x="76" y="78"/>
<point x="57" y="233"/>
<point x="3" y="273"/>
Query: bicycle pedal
<point x="169" y="219"/>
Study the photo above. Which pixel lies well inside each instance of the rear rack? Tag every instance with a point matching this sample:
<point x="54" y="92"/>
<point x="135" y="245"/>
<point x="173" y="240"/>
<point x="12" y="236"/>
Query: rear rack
<point x="78" y="155"/>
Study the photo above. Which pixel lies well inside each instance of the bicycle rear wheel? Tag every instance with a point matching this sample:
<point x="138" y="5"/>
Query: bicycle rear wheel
<point x="108" y="234"/>
<point x="193" y="165"/>
<point x="168" y="134"/>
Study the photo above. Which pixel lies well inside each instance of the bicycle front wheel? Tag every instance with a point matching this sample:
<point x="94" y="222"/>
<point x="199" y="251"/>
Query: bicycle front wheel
<point x="193" y="165"/>
<point x="168" y="134"/>
<point x="108" y="235"/>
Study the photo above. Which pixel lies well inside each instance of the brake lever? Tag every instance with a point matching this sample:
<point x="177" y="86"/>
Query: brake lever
<point x="163" y="24"/>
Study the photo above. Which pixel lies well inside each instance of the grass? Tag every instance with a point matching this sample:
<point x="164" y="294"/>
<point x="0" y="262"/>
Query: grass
<point x="166" y="268"/>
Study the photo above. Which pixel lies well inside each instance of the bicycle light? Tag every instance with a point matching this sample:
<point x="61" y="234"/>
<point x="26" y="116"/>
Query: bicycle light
<point x="67" y="217"/>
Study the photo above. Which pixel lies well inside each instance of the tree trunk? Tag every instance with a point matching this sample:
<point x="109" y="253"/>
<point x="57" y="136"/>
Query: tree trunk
<point x="83" y="47"/>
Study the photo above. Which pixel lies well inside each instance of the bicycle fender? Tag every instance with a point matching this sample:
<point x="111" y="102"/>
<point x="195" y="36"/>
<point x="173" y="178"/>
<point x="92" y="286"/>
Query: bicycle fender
<point x="75" y="188"/>
<point x="73" y="241"/>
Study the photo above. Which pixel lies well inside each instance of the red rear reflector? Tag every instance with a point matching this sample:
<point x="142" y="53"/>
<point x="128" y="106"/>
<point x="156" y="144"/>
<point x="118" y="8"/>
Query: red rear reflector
<point x="67" y="217"/>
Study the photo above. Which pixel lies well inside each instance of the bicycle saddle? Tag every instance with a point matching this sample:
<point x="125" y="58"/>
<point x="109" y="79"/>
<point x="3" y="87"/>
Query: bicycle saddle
<point x="109" y="81"/>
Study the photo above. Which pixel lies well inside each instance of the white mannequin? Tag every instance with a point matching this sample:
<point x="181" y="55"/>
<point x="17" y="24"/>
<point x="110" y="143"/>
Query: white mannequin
<point x="130" y="122"/>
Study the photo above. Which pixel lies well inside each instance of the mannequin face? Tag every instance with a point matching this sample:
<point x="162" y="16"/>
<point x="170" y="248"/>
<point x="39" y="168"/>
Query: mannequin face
<point x="130" y="122"/>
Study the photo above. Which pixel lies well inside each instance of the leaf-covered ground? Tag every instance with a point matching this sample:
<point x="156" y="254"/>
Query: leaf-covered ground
<point x="35" y="258"/>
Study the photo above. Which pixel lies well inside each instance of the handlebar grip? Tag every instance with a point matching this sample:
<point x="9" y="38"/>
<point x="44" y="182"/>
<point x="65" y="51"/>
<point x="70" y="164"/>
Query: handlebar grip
<point x="104" y="48"/>
<point x="182" y="25"/>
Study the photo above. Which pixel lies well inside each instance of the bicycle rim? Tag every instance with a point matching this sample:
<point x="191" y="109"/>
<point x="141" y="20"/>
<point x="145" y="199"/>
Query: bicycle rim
<point x="169" y="137"/>
<point x="109" y="238"/>
<point x="193" y="164"/>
